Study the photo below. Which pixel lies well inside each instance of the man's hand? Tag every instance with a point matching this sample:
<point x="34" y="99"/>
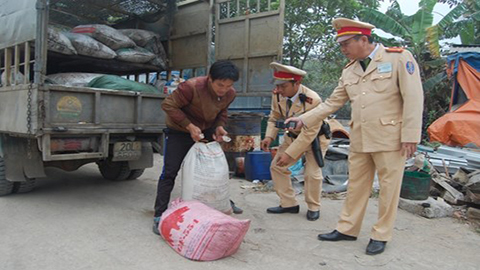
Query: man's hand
<point x="265" y="144"/>
<point x="284" y="160"/>
<point x="219" y="133"/>
<point x="195" y="132"/>
<point x="408" y="149"/>
<point x="297" y="120"/>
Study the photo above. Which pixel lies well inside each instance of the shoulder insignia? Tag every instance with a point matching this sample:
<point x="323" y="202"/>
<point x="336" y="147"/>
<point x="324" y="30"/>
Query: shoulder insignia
<point x="395" y="49"/>
<point x="349" y="64"/>
<point x="309" y="100"/>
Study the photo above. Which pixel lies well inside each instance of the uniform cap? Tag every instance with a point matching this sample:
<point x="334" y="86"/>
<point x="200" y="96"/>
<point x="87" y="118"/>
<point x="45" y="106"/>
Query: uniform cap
<point x="284" y="73"/>
<point x="347" y="28"/>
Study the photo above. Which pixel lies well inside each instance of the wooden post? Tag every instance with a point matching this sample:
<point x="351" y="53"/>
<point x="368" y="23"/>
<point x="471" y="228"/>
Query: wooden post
<point x="16" y="69"/>
<point x="26" y="61"/>
<point x="8" y="66"/>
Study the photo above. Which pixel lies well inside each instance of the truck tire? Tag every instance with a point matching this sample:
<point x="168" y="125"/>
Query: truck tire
<point x="24" y="187"/>
<point x="134" y="174"/>
<point x="114" y="171"/>
<point x="6" y="187"/>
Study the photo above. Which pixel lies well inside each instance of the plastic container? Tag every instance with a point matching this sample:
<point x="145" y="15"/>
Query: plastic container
<point x="257" y="165"/>
<point x="415" y="185"/>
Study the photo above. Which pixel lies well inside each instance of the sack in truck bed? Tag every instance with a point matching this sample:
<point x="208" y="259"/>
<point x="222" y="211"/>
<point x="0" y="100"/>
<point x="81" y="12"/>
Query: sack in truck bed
<point x="88" y="46"/>
<point x="105" y="34"/>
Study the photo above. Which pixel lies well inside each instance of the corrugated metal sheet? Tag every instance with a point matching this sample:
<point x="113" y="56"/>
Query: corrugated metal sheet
<point x="464" y="48"/>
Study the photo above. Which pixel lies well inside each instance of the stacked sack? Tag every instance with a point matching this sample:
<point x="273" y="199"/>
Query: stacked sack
<point x="105" y="42"/>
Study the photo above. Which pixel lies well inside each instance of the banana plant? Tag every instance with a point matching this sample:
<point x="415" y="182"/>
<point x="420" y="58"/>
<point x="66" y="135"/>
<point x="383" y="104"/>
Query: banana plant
<point x="469" y="25"/>
<point x="418" y="34"/>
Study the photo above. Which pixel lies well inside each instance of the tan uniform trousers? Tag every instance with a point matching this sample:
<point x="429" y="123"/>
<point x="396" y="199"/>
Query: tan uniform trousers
<point x="362" y="166"/>
<point x="283" y="184"/>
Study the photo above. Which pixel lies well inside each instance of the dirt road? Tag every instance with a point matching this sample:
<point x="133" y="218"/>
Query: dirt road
<point x="78" y="220"/>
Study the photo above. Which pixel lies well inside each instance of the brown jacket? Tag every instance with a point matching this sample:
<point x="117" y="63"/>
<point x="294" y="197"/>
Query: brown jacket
<point x="386" y="100"/>
<point x="194" y="101"/>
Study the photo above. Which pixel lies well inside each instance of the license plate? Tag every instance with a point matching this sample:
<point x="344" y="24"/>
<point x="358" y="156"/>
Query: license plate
<point x="127" y="151"/>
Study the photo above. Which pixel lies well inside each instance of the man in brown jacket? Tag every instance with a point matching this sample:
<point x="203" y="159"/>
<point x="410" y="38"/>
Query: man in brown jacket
<point x="385" y="91"/>
<point x="291" y="98"/>
<point x="197" y="109"/>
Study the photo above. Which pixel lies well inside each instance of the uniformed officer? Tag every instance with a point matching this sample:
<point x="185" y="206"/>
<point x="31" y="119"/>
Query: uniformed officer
<point x="385" y="91"/>
<point x="291" y="98"/>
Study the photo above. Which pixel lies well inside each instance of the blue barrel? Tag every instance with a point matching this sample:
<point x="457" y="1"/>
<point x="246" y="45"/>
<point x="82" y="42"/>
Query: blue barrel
<point x="257" y="165"/>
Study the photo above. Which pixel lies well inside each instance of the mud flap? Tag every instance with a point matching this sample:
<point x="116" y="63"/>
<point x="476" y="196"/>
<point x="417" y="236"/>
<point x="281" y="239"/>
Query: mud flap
<point x="18" y="165"/>
<point x="146" y="160"/>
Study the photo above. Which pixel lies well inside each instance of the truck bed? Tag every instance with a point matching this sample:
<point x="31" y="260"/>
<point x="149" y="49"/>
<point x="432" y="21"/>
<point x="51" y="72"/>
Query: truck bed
<point x="79" y="110"/>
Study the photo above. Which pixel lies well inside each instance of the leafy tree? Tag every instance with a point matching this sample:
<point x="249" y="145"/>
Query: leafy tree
<point x="308" y="26"/>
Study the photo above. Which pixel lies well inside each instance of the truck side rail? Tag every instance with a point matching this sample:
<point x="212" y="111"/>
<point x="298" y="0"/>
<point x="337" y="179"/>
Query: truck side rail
<point x="16" y="64"/>
<point x="87" y="109"/>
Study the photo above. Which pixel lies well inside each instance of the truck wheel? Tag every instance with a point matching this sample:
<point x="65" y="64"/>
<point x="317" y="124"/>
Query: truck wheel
<point x="6" y="187"/>
<point x="134" y="174"/>
<point x="114" y="171"/>
<point x="24" y="187"/>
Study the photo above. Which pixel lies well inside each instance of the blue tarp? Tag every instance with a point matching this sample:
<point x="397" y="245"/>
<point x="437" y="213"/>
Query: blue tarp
<point x="472" y="58"/>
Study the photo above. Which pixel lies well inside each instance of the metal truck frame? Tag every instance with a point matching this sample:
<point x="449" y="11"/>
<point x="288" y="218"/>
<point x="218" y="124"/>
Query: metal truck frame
<point x="44" y="125"/>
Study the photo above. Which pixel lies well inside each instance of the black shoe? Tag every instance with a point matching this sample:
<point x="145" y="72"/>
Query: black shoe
<point x="235" y="209"/>
<point x="336" y="236"/>
<point x="376" y="247"/>
<point x="156" y="221"/>
<point x="313" y="215"/>
<point x="281" y="210"/>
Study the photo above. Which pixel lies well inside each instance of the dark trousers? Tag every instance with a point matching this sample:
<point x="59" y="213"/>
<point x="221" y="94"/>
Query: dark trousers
<point x="177" y="144"/>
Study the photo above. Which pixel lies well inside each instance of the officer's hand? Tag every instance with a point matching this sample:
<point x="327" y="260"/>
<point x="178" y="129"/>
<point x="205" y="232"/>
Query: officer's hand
<point x="219" y="133"/>
<point x="297" y="120"/>
<point x="265" y="144"/>
<point x="195" y="132"/>
<point x="284" y="160"/>
<point x="408" y="149"/>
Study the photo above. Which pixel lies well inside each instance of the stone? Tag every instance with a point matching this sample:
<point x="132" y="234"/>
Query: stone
<point x="437" y="209"/>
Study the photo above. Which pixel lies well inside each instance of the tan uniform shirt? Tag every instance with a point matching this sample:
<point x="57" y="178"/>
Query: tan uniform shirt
<point x="279" y="108"/>
<point x="386" y="100"/>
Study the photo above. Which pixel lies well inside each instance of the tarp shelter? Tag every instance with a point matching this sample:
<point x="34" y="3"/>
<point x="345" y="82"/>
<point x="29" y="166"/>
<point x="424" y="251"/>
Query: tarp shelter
<point x="461" y="126"/>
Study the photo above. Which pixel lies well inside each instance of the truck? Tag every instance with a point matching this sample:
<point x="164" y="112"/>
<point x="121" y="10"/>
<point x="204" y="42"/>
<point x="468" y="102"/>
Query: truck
<point x="53" y="125"/>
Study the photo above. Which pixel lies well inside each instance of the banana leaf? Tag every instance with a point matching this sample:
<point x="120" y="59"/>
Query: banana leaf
<point x="429" y="84"/>
<point x="455" y="28"/>
<point x="467" y="34"/>
<point x="384" y="22"/>
<point x="435" y="63"/>
<point x="421" y="21"/>
<point x="431" y="37"/>
<point x="395" y="12"/>
<point x="451" y="16"/>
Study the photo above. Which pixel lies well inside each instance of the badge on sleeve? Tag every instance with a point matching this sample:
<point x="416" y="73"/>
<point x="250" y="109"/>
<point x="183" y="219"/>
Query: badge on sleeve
<point x="410" y="67"/>
<point x="309" y="100"/>
<point x="384" y="67"/>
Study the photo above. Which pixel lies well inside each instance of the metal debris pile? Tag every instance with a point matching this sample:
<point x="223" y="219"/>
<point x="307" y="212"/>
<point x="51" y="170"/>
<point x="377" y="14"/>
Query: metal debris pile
<point x="455" y="185"/>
